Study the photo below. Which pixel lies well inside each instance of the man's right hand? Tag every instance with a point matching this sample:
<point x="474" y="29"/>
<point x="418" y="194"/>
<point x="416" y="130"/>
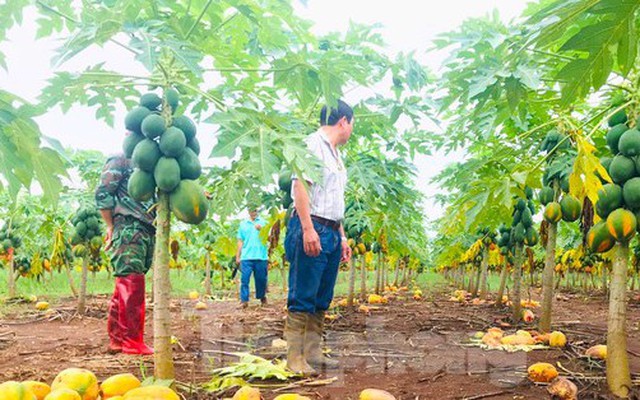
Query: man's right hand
<point x="108" y="238"/>
<point x="237" y="260"/>
<point x="312" y="246"/>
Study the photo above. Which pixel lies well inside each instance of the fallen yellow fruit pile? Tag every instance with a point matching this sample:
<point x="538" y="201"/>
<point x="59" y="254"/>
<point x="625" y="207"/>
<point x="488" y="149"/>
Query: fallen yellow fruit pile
<point x="82" y="384"/>
<point x="247" y="393"/>
<point x="495" y="339"/>
<point x="375" y="394"/>
<point x="460" y="296"/>
<point x="251" y="393"/>
<point x="377" y="299"/>
<point x="529" y="303"/>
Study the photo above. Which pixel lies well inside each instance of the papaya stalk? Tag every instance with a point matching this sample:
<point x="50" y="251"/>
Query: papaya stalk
<point x="618" y="374"/>
<point x="283" y="273"/>
<point x="72" y="286"/>
<point x="470" y="283"/>
<point x="397" y="272"/>
<point x="207" y="277"/>
<point x="11" y="276"/>
<point x="476" y="282"/>
<point x="83" y="286"/>
<point x="517" y="277"/>
<point x="163" y="352"/>
<point x="378" y="274"/>
<point x="547" y="279"/>
<point x="352" y="281"/>
<point x="485" y="272"/>
<point x="363" y="279"/>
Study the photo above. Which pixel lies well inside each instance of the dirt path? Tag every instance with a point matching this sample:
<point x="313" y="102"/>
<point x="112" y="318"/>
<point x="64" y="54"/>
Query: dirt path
<point x="412" y="349"/>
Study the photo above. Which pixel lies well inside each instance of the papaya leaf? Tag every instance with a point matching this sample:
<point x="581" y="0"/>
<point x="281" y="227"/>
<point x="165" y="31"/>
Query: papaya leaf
<point x="584" y="180"/>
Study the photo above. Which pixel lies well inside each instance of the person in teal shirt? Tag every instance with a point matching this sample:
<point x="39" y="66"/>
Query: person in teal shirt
<point x="252" y="257"/>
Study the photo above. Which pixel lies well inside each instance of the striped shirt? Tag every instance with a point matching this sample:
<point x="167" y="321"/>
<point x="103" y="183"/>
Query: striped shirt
<point x="327" y="196"/>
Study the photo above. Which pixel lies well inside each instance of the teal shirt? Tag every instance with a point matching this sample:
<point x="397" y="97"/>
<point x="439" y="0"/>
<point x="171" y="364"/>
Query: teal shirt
<point x="252" y="246"/>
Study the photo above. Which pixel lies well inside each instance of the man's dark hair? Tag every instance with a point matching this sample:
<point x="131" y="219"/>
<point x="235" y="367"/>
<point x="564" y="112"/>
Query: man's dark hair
<point x="335" y="114"/>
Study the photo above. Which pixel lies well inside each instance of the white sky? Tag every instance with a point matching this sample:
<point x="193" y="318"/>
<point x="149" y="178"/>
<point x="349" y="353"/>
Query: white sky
<point x="408" y="25"/>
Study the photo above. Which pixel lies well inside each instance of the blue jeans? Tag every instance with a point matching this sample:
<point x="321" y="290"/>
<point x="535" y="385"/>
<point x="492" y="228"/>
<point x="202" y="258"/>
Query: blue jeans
<point x="311" y="279"/>
<point x="259" y="269"/>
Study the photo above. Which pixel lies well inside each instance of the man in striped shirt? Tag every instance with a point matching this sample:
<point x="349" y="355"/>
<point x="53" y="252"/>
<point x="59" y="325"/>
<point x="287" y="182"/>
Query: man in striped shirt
<point x="315" y="242"/>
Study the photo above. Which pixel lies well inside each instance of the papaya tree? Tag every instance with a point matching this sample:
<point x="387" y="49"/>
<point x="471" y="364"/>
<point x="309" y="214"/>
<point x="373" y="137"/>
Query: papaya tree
<point x="608" y="58"/>
<point x="523" y="234"/>
<point x="355" y="229"/>
<point x="11" y="241"/>
<point x="164" y="150"/>
<point x="555" y="181"/>
<point x="87" y="240"/>
<point x="507" y="251"/>
<point x="488" y="243"/>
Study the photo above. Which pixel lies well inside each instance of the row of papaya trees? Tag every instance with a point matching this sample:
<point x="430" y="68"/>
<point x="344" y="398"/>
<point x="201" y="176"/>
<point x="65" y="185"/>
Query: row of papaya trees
<point x="551" y="120"/>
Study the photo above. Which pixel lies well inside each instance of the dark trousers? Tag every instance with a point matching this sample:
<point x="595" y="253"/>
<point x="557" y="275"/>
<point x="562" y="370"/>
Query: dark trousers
<point x="259" y="270"/>
<point x="311" y="279"/>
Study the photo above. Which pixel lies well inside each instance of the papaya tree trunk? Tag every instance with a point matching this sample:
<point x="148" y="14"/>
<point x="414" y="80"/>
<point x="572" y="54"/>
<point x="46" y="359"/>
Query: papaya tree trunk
<point x="531" y="278"/>
<point x="378" y="274"/>
<point x="163" y="353"/>
<point x="363" y="279"/>
<point x="517" y="277"/>
<point x="207" y="277"/>
<point x="618" y="375"/>
<point x="82" y="298"/>
<point x="484" y="273"/>
<point x="11" y="277"/>
<point x="476" y="282"/>
<point x="223" y="279"/>
<point x="503" y="282"/>
<point x="385" y="273"/>
<point x="397" y="272"/>
<point x="283" y="274"/>
<point x="547" y="279"/>
<point x="352" y="281"/>
<point x="72" y="286"/>
<point x="403" y="274"/>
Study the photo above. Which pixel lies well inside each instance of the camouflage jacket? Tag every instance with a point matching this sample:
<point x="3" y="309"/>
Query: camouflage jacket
<point x="112" y="192"/>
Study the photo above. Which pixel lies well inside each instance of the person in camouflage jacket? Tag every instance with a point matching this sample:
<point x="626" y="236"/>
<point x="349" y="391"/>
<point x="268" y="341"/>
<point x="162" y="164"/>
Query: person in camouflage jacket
<point x="131" y="238"/>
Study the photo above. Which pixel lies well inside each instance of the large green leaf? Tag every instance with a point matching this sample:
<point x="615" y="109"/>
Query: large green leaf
<point x="599" y="36"/>
<point x="22" y="157"/>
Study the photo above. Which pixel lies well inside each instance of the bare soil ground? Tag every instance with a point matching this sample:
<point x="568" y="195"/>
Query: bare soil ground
<point x="413" y="349"/>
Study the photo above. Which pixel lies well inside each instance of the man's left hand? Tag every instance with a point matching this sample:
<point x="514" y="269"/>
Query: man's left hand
<point x="346" y="252"/>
